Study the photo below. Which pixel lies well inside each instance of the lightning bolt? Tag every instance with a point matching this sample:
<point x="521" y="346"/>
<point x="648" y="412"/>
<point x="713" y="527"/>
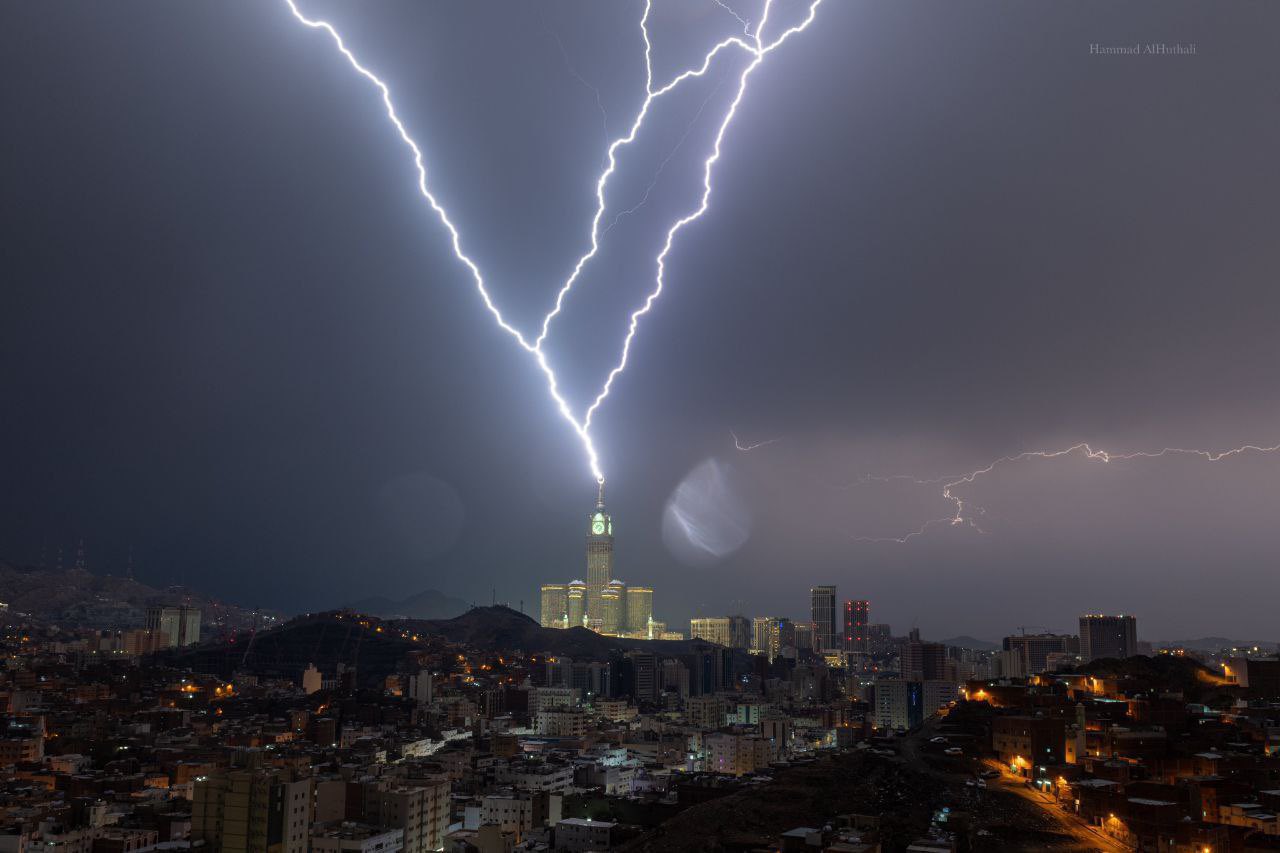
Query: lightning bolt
<point x="760" y="51"/>
<point x="752" y="43"/>
<point x="746" y="448"/>
<point x="964" y="510"/>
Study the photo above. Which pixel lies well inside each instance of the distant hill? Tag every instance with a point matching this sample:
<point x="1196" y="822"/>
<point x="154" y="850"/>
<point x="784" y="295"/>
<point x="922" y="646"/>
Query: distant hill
<point x="428" y="604"/>
<point x="966" y="642"/>
<point x="323" y="639"/>
<point x="81" y="598"/>
<point x="1162" y="673"/>
<point x="328" y="639"/>
<point x="1214" y="644"/>
<point x="499" y="627"/>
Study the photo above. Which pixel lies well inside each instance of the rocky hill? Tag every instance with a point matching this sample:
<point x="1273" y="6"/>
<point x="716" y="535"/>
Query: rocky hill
<point x="75" y="597"/>
<point x="428" y="604"/>
<point x="323" y="639"/>
<point x="497" y="628"/>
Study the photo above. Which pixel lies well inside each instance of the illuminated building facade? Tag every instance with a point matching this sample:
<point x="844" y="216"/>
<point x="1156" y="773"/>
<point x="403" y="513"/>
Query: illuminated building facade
<point x="857" y="615"/>
<point x="639" y="609"/>
<point x="823" y="614"/>
<point x="613" y="607"/>
<point x="601" y="602"/>
<point x="768" y="635"/>
<point x="576" y="604"/>
<point x="555" y="605"/>
<point x="713" y="629"/>
<point x="599" y="560"/>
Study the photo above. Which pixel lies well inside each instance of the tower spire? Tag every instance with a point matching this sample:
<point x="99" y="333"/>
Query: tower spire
<point x="600" y="493"/>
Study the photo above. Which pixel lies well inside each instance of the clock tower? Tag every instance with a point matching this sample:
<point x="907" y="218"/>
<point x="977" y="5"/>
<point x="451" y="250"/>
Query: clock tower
<point x="599" y="559"/>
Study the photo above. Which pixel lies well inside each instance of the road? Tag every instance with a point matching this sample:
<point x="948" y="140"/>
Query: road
<point x="1087" y="835"/>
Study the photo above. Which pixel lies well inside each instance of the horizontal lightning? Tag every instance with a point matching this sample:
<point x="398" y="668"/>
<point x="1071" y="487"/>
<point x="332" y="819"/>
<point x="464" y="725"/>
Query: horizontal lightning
<point x="746" y="448"/>
<point x="964" y="514"/>
<point x="752" y="44"/>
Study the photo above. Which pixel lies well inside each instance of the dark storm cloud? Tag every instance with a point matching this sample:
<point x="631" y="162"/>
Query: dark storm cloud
<point x="233" y="336"/>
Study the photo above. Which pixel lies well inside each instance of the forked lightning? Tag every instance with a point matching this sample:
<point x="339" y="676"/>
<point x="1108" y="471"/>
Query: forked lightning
<point x="754" y="45"/>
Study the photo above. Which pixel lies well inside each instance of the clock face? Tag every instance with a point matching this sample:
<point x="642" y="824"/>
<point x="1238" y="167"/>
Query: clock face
<point x="597" y="527"/>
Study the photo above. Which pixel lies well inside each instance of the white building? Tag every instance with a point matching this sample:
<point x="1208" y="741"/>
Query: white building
<point x="581" y="835"/>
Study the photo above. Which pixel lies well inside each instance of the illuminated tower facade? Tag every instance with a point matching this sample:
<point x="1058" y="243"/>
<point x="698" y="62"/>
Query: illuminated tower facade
<point x="639" y="609"/>
<point x="555" y="605"/>
<point x="823" y="611"/>
<point x="857" y="615"/>
<point x="614" y="607"/>
<point x="576" y="604"/>
<point x="599" y="560"/>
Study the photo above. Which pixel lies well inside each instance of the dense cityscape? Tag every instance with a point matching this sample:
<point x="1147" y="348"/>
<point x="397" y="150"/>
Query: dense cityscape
<point x="490" y="733"/>
<point x="642" y="426"/>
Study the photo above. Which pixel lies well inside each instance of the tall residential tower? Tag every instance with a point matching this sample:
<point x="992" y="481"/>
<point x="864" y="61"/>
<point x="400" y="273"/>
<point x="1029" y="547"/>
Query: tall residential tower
<point x="599" y="561"/>
<point x="823" y="611"/>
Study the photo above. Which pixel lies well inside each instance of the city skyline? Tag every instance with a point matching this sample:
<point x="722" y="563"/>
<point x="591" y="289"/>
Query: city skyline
<point x="240" y="345"/>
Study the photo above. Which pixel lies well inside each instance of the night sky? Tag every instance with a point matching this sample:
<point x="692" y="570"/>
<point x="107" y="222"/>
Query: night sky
<point x="233" y="336"/>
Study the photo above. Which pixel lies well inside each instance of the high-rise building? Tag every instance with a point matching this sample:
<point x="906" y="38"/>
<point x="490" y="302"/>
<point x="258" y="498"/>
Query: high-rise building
<point x="639" y="609"/>
<point x="601" y="602"/>
<point x="1108" y="636"/>
<point x="857" y="614"/>
<point x="713" y="629"/>
<point x="555" y="605"/>
<point x="739" y="632"/>
<point x="1034" y="649"/>
<point x="823" y="611"/>
<point x="420" y="809"/>
<point x="599" y="560"/>
<point x="252" y="811"/>
<point x="179" y="625"/>
<point x="641" y="679"/>
<point x="899" y="704"/>
<point x="879" y="639"/>
<point x="613" y="603"/>
<point x="767" y="636"/>
<point x="576" y="604"/>
<point x="923" y="661"/>
<point x="806" y="635"/>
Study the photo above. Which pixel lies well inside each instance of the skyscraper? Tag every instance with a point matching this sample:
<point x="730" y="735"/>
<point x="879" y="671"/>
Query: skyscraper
<point x="599" y="560"/>
<point x="857" y="614"/>
<point x="576" y="603"/>
<point x="639" y="609"/>
<point x="1108" y="636"/>
<point x="1034" y="649"/>
<point x="712" y="628"/>
<point x="613" y="602"/>
<point x="555" y="605"/>
<point x="768" y="635"/>
<point x="823" y="608"/>
<point x="923" y="661"/>
<point x="179" y="625"/>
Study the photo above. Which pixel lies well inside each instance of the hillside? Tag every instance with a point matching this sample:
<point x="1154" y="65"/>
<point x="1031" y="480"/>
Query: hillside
<point x="1163" y="673"/>
<point x="497" y="628"/>
<point x="324" y="639"/>
<point x="342" y="637"/>
<point x="428" y="604"/>
<point x="77" y="597"/>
